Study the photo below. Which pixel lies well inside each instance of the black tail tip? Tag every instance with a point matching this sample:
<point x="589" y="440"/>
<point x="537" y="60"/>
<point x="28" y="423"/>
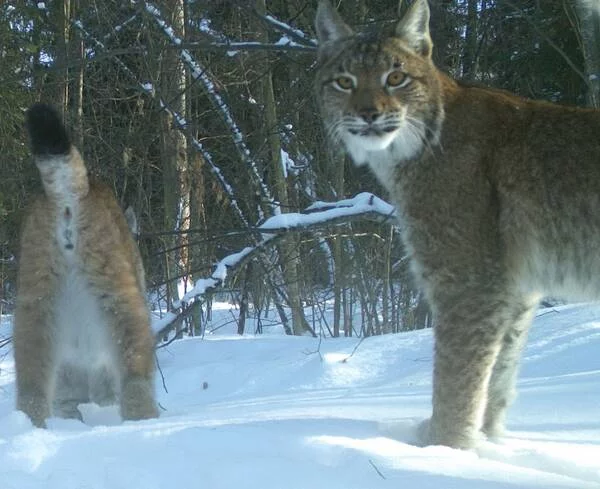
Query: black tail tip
<point x="46" y="131"/>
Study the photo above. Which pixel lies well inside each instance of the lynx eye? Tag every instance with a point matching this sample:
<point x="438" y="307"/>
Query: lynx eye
<point x="344" y="83"/>
<point x="397" y="79"/>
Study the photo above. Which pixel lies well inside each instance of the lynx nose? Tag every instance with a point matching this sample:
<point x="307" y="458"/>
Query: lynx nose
<point x="369" y="114"/>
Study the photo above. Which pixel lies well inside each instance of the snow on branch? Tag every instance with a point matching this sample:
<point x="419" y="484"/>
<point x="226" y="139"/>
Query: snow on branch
<point x="198" y="72"/>
<point x="179" y="121"/>
<point x="233" y="47"/>
<point x="295" y="34"/>
<point x="120" y="27"/>
<point x="326" y="213"/>
<point x="220" y="42"/>
<point x="317" y="216"/>
<point x="292" y="40"/>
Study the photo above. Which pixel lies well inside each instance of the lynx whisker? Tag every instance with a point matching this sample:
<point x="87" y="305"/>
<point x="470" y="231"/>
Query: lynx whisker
<point x="420" y="129"/>
<point x="333" y="130"/>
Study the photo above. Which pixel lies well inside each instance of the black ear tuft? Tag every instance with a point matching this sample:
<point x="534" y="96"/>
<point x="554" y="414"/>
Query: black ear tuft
<point x="46" y="131"/>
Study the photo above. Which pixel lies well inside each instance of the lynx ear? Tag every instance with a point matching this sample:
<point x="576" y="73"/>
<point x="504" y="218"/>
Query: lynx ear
<point x="413" y="28"/>
<point x="132" y="222"/>
<point x="329" y="25"/>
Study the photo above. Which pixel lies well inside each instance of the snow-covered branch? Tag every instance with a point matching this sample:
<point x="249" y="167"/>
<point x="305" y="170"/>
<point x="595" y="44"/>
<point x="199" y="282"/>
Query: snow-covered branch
<point x="120" y="27"/>
<point x="292" y="39"/>
<point x="284" y="44"/>
<point x="198" y="72"/>
<point x="219" y="41"/>
<point x="317" y="216"/>
<point x="295" y="34"/>
<point x="179" y="121"/>
<point x="364" y="206"/>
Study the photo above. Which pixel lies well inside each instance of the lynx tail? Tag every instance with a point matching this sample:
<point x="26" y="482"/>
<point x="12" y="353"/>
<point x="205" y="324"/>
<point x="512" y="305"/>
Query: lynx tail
<point x="46" y="131"/>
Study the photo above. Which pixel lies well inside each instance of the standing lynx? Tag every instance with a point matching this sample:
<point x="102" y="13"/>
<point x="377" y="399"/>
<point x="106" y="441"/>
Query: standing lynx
<point x="498" y="199"/>
<point x="82" y="327"/>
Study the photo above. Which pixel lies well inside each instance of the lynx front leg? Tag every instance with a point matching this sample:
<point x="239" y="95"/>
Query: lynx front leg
<point x="467" y="343"/>
<point x="135" y="346"/>
<point x="501" y="391"/>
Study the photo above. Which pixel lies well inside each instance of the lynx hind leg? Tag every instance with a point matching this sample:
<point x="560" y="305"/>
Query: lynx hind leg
<point x="33" y="342"/>
<point x="34" y="386"/>
<point x="137" y="360"/>
<point x="72" y="389"/>
<point x="501" y="390"/>
<point x="131" y="328"/>
<point x="137" y="399"/>
<point x="468" y="338"/>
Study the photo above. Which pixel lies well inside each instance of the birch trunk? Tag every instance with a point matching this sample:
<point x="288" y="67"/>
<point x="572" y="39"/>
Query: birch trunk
<point x="174" y="149"/>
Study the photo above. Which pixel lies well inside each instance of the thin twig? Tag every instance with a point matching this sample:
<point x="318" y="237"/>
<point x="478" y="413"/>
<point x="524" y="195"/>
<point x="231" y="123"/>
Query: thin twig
<point x="318" y="350"/>
<point x="162" y="376"/>
<point x="355" y="348"/>
<point x="551" y="311"/>
<point x="376" y="469"/>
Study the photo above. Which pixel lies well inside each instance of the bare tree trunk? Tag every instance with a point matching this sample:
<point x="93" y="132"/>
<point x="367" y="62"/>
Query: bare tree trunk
<point x="469" y="58"/>
<point x="175" y="154"/>
<point x="288" y="250"/>
<point x="78" y="50"/>
<point x="336" y="160"/>
<point x="386" y="288"/>
<point x="347" y="301"/>
<point x="588" y="13"/>
<point x="62" y="15"/>
<point x="337" y="285"/>
<point x="244" y="301"/>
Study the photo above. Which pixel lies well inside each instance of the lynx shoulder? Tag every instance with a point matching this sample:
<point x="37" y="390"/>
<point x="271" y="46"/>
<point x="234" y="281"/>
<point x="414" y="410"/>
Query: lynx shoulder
<point x="498" y="198"/>
<point x="82" y="326"/>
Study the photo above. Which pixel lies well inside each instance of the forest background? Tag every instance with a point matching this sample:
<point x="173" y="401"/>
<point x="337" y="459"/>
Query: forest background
<point x="201" y="116"/>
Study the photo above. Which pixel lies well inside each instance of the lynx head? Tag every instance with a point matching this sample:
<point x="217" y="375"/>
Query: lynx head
<point x="379" y="93"/>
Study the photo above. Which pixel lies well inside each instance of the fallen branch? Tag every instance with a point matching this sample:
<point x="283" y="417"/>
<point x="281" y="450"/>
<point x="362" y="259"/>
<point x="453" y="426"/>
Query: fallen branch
<point x="364" y="206"/>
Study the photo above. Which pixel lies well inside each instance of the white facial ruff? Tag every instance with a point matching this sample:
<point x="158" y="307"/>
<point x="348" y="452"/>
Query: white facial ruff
<point x="383" y="153"/>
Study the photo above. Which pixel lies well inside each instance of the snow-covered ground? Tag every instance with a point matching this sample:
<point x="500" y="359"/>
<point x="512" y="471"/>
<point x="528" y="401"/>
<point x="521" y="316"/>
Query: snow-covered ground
<point x="275" y="412"/>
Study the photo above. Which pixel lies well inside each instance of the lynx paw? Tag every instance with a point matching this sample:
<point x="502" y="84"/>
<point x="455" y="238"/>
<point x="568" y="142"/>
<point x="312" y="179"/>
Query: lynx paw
<point x="36" y="407"/>
<point x="494" y="431"/>
<point x="429" y="434"/>
<point x="68" y="409"/>
<point x="137" y="400"/>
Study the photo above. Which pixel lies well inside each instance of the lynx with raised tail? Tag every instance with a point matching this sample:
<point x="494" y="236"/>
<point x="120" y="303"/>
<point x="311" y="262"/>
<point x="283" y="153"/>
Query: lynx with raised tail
<point x="82" y="326"/>
<point x="498" y="200"/>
